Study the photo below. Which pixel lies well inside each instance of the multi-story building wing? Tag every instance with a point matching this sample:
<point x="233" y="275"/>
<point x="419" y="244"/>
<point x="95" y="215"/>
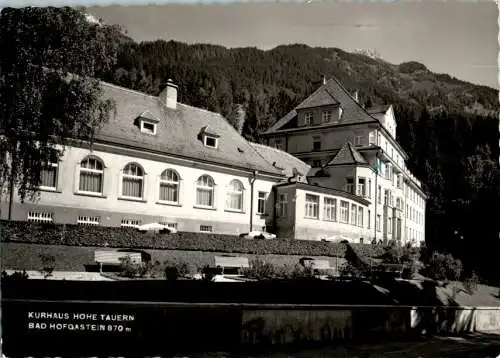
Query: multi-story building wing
<point x="156" y="160"/>
<point x="331" y="171"/>
<point x="354" y="149"/>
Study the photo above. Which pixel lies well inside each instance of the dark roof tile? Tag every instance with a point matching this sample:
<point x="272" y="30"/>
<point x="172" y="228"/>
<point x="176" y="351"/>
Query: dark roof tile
<point x="177" y="131"/>
<point x="283" y="160"/>
<point x="352" y="111"/>
<point x="347" y="155"/>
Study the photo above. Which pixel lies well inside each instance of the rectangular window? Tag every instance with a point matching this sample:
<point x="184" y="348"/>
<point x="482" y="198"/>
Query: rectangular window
<point x="168" y="224"/>
<point x="379" y="194"/>
<point x="327" y="116"/>
<point x="312" y="206"/>
<point x="261" y="202"/>
<point x="360" y="216"/>
<point x="316" y="143"/>
<point x="330" y="209"/>
<point x="308" y="118"/>
<point x="388" y="172"/>
<point x="149" y="128"/>
<point x="398" y="181"/>
<point x="386" y="197"/>
<point x="349" y="186"/>
<point x="370" y="188"/>
<point x="89" y="220"/>
<point x="381" y="168"/>
<point x="279" y="143"/>
<point x="361" y="187"/>
<point x="40" y="216"/>
<point x="130" y="223"/>
<point x="48" y="176"/>
<point x="210" y="142"/>
<point x="369" y="219"/>
<point x="389" y="225"/>
<point x="344" y="212"/>
<point x="354" y="215"/>
<point x="282" y="205"/>
<point x="358" y="140"/>
<point x="371" y="138"/>
<point x="206" y="228"/>
<point x="377" y="223"/>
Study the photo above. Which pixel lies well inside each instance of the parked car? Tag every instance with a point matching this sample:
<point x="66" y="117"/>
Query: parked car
<point x="258" y="235"/>
<point x="157" y="227"/>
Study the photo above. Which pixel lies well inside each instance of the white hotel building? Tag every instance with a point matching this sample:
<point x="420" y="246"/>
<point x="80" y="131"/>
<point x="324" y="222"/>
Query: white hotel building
<point x="158" y="160"/>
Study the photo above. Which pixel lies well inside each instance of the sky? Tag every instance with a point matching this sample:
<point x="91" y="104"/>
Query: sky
<point x="455" y="37"/>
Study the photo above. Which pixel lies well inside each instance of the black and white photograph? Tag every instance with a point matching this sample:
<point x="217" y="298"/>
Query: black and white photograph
<point x="250" y="179"/>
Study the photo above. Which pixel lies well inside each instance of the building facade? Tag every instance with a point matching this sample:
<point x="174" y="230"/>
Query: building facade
<point x="354" y="149"/>
<point x="331" y="171"/>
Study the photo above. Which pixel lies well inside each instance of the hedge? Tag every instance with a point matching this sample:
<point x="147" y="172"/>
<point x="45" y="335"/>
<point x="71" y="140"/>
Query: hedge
<point x="100" y="236"/>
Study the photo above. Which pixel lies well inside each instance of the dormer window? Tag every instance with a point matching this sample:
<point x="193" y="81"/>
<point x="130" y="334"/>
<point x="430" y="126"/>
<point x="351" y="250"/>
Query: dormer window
<point x="147" y="123"/>
<point x="209" y="137"/>
<point x="147" y="127"/>
<point x="210" y="141"/>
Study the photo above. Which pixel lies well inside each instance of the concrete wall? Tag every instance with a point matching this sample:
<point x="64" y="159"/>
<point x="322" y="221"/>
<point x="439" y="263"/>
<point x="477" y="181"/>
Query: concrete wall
<point x="289" y="326"/>
<point x="67" y="203"/>
<point x="455" y="319"/>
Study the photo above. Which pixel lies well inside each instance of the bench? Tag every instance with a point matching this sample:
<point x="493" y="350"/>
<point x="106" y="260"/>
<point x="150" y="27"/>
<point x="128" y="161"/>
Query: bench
<point x="114" y="257"/>
<point x="233" y="263"/>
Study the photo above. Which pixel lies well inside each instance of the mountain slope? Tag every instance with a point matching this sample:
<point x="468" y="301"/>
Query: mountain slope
<point x="217" y="78"/>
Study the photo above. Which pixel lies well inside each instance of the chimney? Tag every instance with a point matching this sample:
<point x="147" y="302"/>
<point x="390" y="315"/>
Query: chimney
<point x="168" y="95"/>
<point x="356" y="96"/>
<point x="324" y="79"/>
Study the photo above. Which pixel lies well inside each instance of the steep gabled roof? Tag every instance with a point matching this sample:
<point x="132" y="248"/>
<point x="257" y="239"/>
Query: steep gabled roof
<point x="317" y="99"/>
<point x="283" y="160"/>
<point x="347" y="155"/>
<point x="332" y="90"/>
<point x="177" y="131"/>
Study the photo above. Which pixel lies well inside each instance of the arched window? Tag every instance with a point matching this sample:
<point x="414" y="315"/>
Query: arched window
<point x="234" y="196"/>
<point x="132" y="181"/>
<point x="169" y="186"/>
<point x="91" y="176"/>
<point x="205" y="191"/>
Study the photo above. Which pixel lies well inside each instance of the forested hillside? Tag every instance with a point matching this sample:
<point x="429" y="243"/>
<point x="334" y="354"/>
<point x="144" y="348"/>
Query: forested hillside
<point x="449" y="127"/>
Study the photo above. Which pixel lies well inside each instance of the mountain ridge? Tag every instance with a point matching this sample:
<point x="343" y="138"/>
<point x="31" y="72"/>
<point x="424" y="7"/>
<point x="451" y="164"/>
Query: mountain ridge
<point x="294" y="69"/>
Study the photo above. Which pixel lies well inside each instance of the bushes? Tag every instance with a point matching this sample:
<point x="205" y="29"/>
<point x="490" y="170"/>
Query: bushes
<point x="471" y="282"/>
<point x="15" y="276"/>
<point x="48" y="265"/>
<point x="261" y="270"/>
<point x="444" y="267"/>
<point x="98" y="236"/>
